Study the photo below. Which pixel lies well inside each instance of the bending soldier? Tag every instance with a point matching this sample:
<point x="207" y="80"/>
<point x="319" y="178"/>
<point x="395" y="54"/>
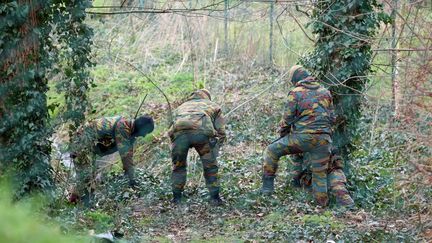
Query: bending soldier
<point x="336" y="180"/>
<point x="102" y="137"/>
<point x="198" y="123"/>
<point x="305" y="127"/>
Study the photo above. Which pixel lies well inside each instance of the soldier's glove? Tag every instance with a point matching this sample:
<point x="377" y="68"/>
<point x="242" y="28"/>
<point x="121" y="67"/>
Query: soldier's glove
<point x="283" y="131"/>
<point x="295" y="182"/>
<point x="306" y="178"/>
<point x="73" y="198"/>
<point x="213" y="142"/>
<point x="221" y="140"/>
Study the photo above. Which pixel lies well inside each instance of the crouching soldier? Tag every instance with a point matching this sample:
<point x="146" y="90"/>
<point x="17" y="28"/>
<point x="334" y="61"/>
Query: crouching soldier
<point x="102" y="137"/>
<point x="198" y="123"/>
<point x="336" y="180"/>
<point x="305" y="127"/>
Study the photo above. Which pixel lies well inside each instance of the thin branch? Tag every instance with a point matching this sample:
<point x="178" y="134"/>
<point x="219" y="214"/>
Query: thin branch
<point x="403" y="49"/>
<point x="153" y="10"/>
<point x="406" y="23"/>
<point x="122" y="4"/>
<point x="301" y="26"/>
<point x="301" y="11"/>
<point x="139" y="108"/>
<point x="170" y="116"/>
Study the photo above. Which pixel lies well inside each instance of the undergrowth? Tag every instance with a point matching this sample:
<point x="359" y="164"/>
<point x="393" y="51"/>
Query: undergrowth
<point x="374" y="169"/>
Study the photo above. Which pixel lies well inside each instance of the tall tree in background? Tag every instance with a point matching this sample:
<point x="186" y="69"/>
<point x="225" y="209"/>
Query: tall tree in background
<point x="342" y="57"/>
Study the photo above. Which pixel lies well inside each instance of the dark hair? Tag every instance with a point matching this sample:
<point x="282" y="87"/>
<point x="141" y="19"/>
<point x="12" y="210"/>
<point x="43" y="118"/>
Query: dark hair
<point x="143" y="125"/>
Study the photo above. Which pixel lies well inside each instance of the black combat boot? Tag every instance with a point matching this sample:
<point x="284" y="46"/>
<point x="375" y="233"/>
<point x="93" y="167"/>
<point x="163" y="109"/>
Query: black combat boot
<point x="268" y="185"/>
<point x="295" y="182"/>
<point x="215" y="199"/>
<point x="177" y="197"/>
<point x="130" y="175"/>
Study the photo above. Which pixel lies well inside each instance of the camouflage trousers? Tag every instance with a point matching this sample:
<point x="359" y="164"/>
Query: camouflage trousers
<point x="318" y="146"/>
<point x="336" y="179"/>
<point x="207" y="153"/>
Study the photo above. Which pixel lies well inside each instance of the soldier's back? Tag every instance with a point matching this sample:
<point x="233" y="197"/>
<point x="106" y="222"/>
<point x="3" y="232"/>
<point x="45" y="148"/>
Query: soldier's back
<point x="314" y="108"/>
<point x="195" y="115"/>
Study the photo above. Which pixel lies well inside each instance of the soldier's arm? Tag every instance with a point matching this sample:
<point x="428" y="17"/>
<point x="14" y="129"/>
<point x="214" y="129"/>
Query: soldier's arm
<point x="289" y="114"/>
<point x="219" y="125"/>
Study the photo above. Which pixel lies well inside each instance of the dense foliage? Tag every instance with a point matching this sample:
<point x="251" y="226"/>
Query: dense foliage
<point x="392" y="198"/>
<point x="38" y="37"/>
<point x="342" y="56"/>
<point x="24" y="132"/>
<point x="73" y="60"/>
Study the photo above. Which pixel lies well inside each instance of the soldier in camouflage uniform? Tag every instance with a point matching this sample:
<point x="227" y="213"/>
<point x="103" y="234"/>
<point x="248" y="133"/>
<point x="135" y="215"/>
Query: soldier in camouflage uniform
<point x="198" y="123"/>
<point x="336" y="180"/>
<point x="305" y="127"/>
<point x="102" y="137"/>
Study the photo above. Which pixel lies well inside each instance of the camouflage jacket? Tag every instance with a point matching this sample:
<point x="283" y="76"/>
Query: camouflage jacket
<point x="309" y="109"/>
<point x="198" y="114"/>
<point x="114" y="134"/>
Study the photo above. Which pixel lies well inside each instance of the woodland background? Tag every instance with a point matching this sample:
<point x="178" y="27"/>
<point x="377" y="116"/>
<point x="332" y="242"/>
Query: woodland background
<point x="65" y="62"/>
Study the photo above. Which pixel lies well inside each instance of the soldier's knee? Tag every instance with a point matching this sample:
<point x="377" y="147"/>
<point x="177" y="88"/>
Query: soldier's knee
<point x="337" y="187"/>
<point x="210" y="166"/>
<point x="211" y="176"/>
<point x="209" y="162"/>
<point x="274" y="151"/>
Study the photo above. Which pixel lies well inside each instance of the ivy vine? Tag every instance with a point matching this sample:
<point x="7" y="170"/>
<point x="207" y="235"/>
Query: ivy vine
<point x="342" y="56"/>
<point x="28" y="57"/>
<point x="74" y="58"/>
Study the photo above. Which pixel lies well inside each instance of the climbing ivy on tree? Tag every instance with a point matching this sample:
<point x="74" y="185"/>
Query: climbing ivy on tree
<point x="24" y="135"/>
<point x="28" y="56"/>
<point x="342" y="56"/>
<point x="74" y="60"/>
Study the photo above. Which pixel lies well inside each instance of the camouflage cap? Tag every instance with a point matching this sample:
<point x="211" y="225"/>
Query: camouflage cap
<point x="201" y="93"/>
<point x="297" y="73"/>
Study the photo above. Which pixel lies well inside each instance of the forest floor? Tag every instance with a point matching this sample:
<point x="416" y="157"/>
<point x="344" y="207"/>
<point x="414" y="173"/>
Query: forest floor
<point x="384" y="211"/>
<point x="147" y="215"/>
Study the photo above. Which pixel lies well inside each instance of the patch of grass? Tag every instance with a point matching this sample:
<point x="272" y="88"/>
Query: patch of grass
<point x="324" y="220"/>
<point x="99" y="220"/>
<point x="146" y="221"/>
<point x="181" y="84"/>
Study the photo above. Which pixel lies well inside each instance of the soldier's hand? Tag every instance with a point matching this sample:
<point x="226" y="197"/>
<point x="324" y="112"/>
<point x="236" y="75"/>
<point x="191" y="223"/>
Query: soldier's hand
<point x="283" y="131"/>
<point x="221" y="140"/>
<point x="295" y="182"/>
<point x="73" y="198"/>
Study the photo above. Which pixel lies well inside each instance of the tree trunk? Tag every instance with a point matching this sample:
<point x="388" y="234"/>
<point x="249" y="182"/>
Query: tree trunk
<point x="271" y="33"/>
<point x="226" y="27"/>
<point x="396" y="97"/>
<point x="24" y="141"/>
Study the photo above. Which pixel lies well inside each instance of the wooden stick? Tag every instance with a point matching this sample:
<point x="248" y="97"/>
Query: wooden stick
<point x="139" y="108"/>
